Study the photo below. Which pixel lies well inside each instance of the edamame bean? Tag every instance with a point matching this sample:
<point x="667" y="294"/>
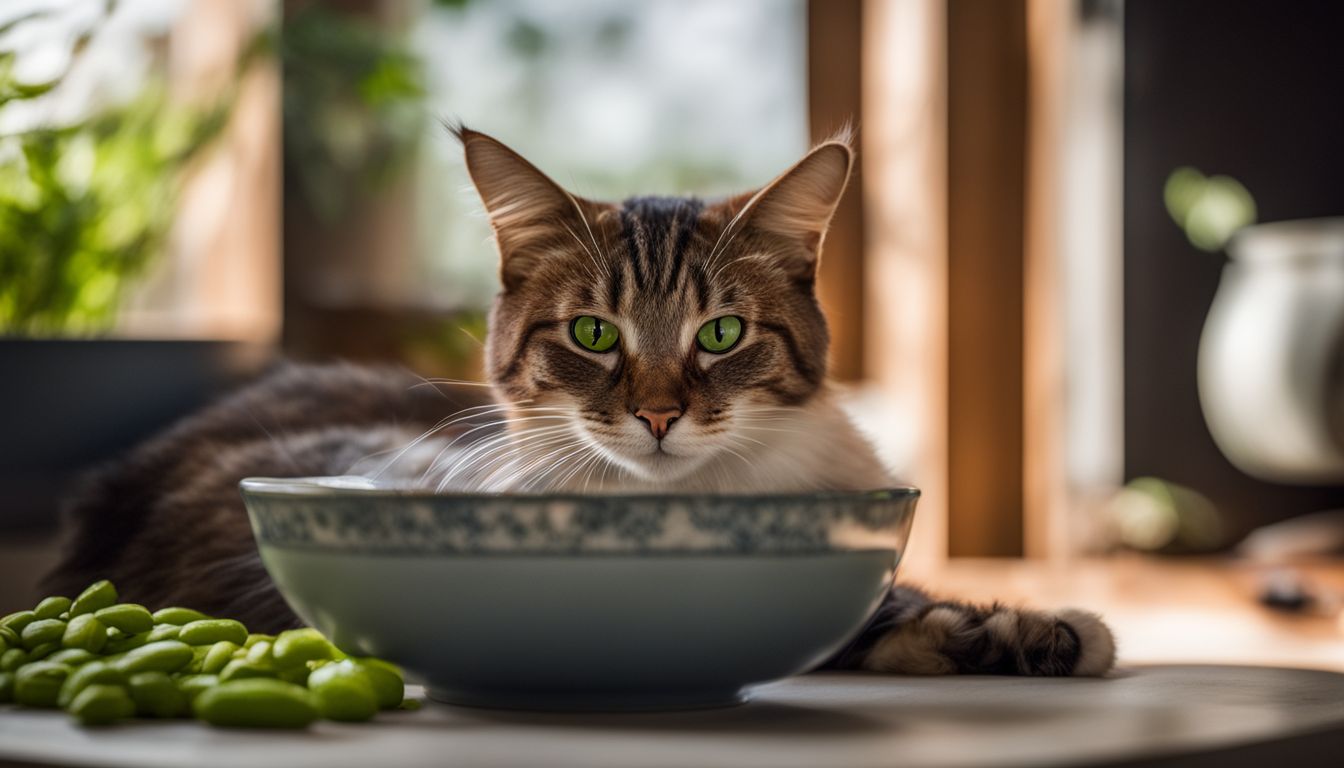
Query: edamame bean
<point x="198" y="653"/>
<point x="343" y="692"/>
<point x="89" y="674"/>
<point x="16" y="621"/>
<point x="389" y="685"/>
<point x="42" y="651"/>
<point x="155" y="695"/>
<point x="220" y="654"/>
<point x="178" y="616"/>
<point x="163" y="632"/>
<point x="85" y="632"/>
<point x="127" y="617"/>
<point x="192" y="686"/>
<point x="257" y="703"/>
<point x="6" y="687"/>
<point x="299" y="646"/>
<point x="10" y="637"/>
<point x="98" y="596"/>
<point x="163" y="656"/>
<point x="102" y="704"/>
<point x="13" y="659"/>
<point x="242" y="669"/>
<point x="72" y="657"/>
<point x="52" y="607"/>
<point x="296" y="675"/>
<point x="260" y="653"/>
<point x="211" y="631"/>
<point x="120" y="643"/>
<point x="42" y="631"/>
<point x="253" y="639"/>
<point x="39" y="684"/>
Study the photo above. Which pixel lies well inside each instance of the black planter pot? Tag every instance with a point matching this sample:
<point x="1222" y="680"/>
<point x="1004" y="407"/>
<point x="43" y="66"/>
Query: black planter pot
<point x="67" y="405"/>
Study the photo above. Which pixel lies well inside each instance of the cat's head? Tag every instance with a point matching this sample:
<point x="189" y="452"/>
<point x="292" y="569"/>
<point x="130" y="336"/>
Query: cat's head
<point x="661" y="327"/>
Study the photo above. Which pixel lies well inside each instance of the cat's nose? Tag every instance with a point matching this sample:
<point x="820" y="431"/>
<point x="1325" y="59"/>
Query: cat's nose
<point x="658" y="420"/>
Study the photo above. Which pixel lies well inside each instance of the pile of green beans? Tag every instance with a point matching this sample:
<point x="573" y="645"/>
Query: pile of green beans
<point x="104" y="661"/>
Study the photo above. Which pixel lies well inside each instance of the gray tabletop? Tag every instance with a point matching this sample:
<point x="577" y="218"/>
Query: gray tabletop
<point x="1142" y="715"/>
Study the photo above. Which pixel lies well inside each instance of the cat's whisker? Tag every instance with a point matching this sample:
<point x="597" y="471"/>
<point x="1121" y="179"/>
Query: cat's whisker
<point x="505" y="448"/>
<point x="530" y="468"/>
<point x="455" y="465"/>
<point x="584" y="218"/>
<point x="491" y="449"/>
<point x="435" y="463"/>
<point x="591" y="256"/>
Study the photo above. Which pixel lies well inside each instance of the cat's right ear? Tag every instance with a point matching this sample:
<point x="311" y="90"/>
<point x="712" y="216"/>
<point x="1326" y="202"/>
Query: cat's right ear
<point x="528" y="211"/>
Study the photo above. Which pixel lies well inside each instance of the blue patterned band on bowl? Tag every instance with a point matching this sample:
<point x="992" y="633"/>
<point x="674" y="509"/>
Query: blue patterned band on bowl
<point x="342" y="516"/>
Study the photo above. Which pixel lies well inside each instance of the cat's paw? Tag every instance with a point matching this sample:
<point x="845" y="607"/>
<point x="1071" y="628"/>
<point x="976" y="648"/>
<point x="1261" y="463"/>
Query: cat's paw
<point x="1096" y="642"/>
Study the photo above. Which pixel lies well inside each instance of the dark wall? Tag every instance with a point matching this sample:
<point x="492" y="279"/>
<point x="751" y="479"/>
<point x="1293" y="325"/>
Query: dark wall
<point x="1249" y="88"/>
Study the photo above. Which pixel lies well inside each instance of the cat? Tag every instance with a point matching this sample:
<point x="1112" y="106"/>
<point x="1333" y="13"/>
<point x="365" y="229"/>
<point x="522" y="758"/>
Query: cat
<point x="665" y="343"/>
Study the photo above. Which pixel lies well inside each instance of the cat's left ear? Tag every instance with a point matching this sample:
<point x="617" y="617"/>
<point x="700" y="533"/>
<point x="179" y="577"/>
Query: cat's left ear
<point x="799" y="204"/>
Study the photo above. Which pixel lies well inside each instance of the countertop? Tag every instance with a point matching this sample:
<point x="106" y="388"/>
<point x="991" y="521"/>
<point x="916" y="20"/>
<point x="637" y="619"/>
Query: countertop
<point x="1149" y="715"/>
<point x="1208" y="677"/>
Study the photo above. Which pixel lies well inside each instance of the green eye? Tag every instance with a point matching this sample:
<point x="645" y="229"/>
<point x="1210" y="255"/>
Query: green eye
<point x="593" y="333"/>
<point x="720" y="334"/>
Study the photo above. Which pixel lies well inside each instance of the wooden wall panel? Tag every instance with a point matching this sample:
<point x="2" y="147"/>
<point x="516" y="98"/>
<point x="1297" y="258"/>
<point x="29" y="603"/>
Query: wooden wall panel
<point x="986" y="72"/>
<point x="835" y="78"/>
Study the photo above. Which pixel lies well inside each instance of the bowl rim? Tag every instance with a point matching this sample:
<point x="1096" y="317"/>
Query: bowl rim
<point x="308" y="487"/>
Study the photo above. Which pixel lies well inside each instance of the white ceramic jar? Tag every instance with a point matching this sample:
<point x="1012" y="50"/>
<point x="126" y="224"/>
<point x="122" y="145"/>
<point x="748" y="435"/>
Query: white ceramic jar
<point x="1271" y="357"/>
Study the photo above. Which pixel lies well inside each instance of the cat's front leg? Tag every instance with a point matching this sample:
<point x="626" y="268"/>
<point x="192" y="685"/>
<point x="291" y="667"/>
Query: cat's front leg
<point x="914" y="634"/>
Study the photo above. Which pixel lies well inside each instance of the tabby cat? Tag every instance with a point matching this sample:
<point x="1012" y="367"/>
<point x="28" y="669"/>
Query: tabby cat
<point x="664" y="343"/>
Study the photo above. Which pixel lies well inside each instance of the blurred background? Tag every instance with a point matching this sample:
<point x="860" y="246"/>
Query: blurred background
<point x="1085" y="291"/>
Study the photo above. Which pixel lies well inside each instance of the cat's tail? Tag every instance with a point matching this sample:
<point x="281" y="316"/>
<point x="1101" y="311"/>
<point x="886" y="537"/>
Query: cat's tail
<point x="914" y="634"/>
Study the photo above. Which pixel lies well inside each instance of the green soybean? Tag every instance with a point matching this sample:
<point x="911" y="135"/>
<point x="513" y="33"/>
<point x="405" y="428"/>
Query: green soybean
<point x="192" y="686"/>
<point x="42" y="651"/>
<point x="13" y="659"/>
<point x="178" y="616"/>
<point x="253" y="639"/>
<point x="6" y="687"/>
<point x="52" y="607"/>
<point x="242" y="669"/>
<point x="42" y="631"/>
<point x="257" y="703"/>
<point x="220" y="653"/>
<point x="389" y="685"/>
<point x="72" y="657"/>
<point x="98" y="596"/>
<point x="89" y="674"/>
<point x="39" y="684"/>
<point x="102" y="704"/>
<point x="163" y="632"/>
<point x="211" y="631"/>
<point x="85" y="632"/>
<point x="259" y="653"/>
<point x="18" y="620"/>
<point x="296" y="675"/>
<point x="9" y="637"/>
<point x="156" y="695"/>
<point x="122" y="643"/>
<point x="163" y="656"/>
<point x="343" y="692"/>
<point x="299" y="646"/>
<point x="127" y="617"/>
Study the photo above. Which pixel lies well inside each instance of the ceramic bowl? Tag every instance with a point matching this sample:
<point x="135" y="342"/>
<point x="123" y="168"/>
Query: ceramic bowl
<point x="581" y="602"/>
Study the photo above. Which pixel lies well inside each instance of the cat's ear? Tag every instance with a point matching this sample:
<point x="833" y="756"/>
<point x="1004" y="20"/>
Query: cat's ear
<point x="799" y="203"/>
<point x="528" y="211"/>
